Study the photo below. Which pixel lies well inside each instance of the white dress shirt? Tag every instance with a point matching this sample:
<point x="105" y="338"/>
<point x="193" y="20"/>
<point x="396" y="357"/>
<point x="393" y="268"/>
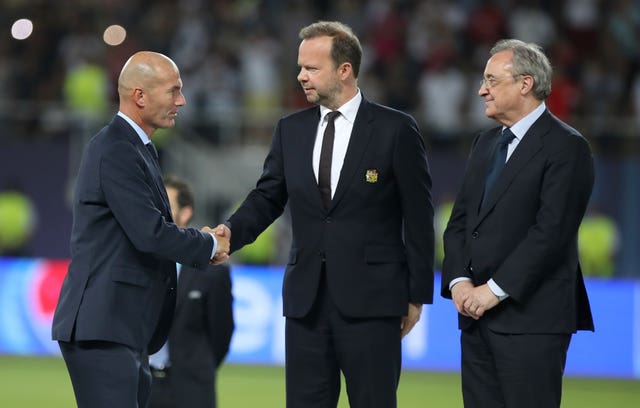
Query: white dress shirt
<point x="344" y="126"/>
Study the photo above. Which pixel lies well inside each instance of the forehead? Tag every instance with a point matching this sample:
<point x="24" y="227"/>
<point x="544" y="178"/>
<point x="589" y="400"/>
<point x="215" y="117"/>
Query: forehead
<point x="315" y="48"/>
<point x="168" y="76"/>
<point x="500" y="63"/>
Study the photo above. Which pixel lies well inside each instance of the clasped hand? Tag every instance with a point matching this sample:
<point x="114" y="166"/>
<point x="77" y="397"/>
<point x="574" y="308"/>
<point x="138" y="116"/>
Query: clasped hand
<point x="473" y="301"/>
<point x="223" y="236"/>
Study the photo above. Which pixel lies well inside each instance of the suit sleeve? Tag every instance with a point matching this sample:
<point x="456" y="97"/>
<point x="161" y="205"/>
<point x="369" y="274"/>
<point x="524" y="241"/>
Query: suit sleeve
<point x="454" y="239"/>
<point x="127" y="188"/>
<point x="414" y="183"/>
<point x="566" y="187"/>
<point x="265" y="203"/>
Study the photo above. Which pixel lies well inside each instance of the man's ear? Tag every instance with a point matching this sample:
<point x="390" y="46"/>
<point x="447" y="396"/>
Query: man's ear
<point x="527" y="84"/>
<point x="344" y="70"/>
<point x="139" y="97"/>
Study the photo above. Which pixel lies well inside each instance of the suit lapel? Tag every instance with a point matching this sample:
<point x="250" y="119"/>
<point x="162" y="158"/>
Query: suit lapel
<point x="154" y="167"/>
<point x="530" y="145"/>
<point x="308" y="139"/>
<point x="358" y="142"/>
<point x="130" y="134"/>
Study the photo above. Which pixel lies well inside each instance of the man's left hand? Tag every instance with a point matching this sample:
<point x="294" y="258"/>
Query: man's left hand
<point x="479" y="300"/>
<point x="415" y="309"/>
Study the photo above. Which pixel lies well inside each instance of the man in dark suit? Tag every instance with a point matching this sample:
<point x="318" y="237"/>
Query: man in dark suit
<point x="116" y="302"/>
<point x="511" y="258"/>
<point x="361" y="261"/>
<point x="184" y="370"/>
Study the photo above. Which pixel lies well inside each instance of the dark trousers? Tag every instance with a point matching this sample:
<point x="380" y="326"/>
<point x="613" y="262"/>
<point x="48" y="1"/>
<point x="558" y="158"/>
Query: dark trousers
<point x="324" y="343"/>
<point x="162" y="393"/>
<point x="107" y="375"/>
<point x="512" y="370"/>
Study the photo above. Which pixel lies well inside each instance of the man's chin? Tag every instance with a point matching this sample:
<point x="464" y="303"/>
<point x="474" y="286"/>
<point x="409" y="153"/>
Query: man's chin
<point x="169" y="123"/>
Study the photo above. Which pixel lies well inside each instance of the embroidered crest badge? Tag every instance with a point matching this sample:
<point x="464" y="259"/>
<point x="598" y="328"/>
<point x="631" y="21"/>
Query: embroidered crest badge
<point x="371" y="176"/>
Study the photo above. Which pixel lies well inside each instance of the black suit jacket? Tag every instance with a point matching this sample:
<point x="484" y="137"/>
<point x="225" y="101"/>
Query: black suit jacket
<point x="377" y="236"/>
<point x="201" y="333"/>
<point x="525" y="236"/>
<point x="121" y="282"/>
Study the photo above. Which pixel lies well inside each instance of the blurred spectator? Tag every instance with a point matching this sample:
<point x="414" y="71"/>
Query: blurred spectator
<point x="236" y="59"/>
<point x="443" y="90"/>
<point x="260" y="77"/>
<point x="17" y="222"/>
<point x="580" y="21"/>
<point x="598" y="242"/>
<point x="86" y="91"/>
<point x="529" y="22"/>
<point x="441" y="218"/>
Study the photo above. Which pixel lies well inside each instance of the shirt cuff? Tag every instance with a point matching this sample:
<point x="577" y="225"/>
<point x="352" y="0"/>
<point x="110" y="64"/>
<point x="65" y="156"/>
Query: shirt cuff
<point x="215" y="246"/>
<point x="497" y="290"/>
<point x="457" y="280"/>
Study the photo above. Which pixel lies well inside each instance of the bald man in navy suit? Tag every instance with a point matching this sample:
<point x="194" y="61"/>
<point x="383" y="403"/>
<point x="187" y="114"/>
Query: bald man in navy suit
<point x="117" y="300"/>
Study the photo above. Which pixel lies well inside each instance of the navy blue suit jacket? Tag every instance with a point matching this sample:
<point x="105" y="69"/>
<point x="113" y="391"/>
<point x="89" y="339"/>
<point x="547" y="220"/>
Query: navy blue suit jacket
<point x="121" y="282"/>
<point x="525" y="235"/>
<point x="377" y="237"/>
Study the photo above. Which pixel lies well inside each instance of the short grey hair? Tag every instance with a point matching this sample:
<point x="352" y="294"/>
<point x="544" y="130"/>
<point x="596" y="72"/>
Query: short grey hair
<point x="528" y="59"/>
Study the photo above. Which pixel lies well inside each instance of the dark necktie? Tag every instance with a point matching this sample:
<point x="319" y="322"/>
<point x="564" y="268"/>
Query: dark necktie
<point x="499" y="161"/>
<point x="152" y="150"/>
<point x="326" y="154"/>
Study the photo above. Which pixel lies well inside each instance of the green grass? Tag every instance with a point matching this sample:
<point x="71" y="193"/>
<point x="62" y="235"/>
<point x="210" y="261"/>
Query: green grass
<point x="31" y="382"/>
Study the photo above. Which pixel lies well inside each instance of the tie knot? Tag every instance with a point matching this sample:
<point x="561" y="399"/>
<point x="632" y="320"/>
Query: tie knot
<point x="506" y="137"/>
<point x="331" y="116"/>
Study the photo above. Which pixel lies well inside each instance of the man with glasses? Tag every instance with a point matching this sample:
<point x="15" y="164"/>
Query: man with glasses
<point x="511" y="258"/>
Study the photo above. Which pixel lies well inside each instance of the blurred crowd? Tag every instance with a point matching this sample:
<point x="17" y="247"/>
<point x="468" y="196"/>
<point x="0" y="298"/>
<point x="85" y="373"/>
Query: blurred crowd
<point x="238" y="58"/>
<point x="238" y="64"/>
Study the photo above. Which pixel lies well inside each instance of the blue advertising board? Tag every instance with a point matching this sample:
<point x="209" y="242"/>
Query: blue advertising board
<point x="29" y="290"/>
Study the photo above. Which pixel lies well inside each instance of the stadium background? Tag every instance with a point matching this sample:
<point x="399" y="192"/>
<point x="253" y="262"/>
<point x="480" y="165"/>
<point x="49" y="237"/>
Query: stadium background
<point x="237" y="60"/>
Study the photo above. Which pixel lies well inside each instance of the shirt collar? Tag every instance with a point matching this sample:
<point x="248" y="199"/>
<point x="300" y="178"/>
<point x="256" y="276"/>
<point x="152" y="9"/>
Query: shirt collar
<point x="349" y="110"/>
<point x="143" y="136"/>
<point x="521" y="127"/>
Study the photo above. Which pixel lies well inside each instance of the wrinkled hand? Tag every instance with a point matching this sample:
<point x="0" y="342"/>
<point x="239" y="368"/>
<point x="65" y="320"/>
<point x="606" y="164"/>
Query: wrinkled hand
<point x="459" y="294"/>
<point x="222" y="251"/>
<point x="223" y="231"/>
<point x="410" y="320"/>
<point x="480" y="300"/>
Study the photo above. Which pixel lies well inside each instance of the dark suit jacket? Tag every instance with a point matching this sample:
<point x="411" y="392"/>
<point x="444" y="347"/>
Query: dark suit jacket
<point x="377" y="236"/>
<point x="525" y="236"/>
<point x="121" y="282"/>
<point x="201" y="333"/>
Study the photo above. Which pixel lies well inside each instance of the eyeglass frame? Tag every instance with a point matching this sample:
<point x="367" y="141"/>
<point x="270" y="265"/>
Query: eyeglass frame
<point x="492" y="81"/>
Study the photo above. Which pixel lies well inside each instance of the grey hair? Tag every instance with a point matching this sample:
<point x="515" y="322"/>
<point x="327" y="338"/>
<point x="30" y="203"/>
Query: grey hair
<point x="528" y="59"/>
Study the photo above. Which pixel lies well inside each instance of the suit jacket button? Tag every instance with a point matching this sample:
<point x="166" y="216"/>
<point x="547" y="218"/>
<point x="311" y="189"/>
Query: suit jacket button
<point x="474" y="234"/>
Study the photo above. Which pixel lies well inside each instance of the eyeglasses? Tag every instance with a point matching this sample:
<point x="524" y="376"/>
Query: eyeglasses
<point x="491" y="81"/>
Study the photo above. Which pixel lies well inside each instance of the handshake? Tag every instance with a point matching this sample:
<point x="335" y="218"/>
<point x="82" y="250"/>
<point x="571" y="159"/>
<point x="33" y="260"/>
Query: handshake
<point x="223" y="236"/>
